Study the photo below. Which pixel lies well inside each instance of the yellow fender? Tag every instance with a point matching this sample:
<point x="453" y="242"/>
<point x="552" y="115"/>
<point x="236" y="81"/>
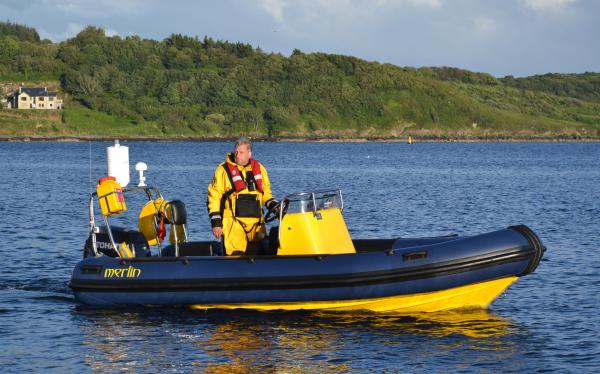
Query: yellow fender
<point x="149" y="218"/>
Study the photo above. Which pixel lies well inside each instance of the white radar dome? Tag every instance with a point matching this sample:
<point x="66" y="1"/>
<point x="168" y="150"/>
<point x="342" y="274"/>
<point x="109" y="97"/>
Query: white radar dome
<point x="141" y="167"/>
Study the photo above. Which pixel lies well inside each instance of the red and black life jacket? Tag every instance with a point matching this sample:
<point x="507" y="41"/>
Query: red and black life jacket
<point x="238" y="182"/>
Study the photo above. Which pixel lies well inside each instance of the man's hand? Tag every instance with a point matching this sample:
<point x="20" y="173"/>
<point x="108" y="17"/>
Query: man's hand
<point x="217" y="224"/>
<point x="217" y="232"/>
<point x="277" y="209"/>
<point x="274" y="206"/>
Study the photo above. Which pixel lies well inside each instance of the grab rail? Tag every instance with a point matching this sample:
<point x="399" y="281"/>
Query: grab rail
<point x="149" y="190"/>
<point x="311" y="197"/>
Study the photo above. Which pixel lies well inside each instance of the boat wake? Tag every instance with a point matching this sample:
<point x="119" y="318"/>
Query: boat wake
<point x="47" y="285"/>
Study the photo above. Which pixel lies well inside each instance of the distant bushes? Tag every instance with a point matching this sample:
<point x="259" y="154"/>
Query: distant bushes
<point x="584" y="86"/>
<point x="455" y="74"/>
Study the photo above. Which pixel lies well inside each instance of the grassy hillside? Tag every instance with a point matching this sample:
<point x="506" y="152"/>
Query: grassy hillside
<point x="184" y="86"/>
<point x="581" y="86"/>
<point x="77" y="120"/>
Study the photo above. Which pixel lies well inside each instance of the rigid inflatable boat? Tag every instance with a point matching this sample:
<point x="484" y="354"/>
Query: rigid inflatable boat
<point x="308" y="261"/>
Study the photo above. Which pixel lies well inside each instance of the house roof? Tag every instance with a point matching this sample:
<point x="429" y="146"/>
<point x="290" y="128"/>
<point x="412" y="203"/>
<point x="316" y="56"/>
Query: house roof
<point x="37" y="91"/>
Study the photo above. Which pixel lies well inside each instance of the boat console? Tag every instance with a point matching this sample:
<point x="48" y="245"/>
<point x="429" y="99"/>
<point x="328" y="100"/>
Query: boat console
<point x="311" y="223"/>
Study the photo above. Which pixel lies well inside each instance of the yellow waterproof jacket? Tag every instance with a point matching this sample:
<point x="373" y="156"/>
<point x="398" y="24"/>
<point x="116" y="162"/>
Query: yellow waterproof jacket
<point x="221" y="201"/>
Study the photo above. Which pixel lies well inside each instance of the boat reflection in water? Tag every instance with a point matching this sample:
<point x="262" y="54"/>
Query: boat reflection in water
<point x="475" y="323"/>
<point x="245" y="341"/>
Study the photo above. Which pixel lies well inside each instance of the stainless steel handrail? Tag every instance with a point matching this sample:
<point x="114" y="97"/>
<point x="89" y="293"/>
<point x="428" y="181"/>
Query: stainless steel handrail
<point x="312" y="196"/>
<point x="93" y="228"/>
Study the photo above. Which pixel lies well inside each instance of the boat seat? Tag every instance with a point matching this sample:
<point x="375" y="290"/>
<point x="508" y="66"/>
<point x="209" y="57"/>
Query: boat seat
<point x="178" y="212"/>
<point x="207" y="248"/>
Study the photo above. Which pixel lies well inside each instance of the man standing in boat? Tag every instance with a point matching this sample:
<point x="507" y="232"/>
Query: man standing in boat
<point x="239" y="189"/>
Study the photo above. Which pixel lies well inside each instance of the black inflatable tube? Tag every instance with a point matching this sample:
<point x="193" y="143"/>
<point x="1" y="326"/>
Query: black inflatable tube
<point x="536" y="245"/>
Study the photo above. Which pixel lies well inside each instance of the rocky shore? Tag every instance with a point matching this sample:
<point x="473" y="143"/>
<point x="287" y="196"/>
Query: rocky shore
<point x="415" y="139"/>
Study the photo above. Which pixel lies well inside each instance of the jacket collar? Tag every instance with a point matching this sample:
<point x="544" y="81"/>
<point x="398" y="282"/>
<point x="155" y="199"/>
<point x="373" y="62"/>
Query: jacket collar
<point x="230" y="158"/>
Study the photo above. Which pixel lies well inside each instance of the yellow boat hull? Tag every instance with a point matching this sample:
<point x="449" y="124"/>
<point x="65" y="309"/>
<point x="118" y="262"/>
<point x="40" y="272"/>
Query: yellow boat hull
<point x="477" y="295"/>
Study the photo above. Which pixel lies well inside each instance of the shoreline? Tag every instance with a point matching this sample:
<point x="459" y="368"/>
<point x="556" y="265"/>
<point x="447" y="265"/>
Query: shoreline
<point x="403" y="139"/>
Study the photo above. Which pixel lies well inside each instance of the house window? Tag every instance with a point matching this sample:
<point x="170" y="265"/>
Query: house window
<point x="41" y="98"/>
<point x="50" y="105"/>
<point x="23" y="98"/>
<point x="51" y="98"/>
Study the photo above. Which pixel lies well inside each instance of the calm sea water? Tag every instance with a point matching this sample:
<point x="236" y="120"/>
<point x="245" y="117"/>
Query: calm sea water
<point x="548" y="321"/>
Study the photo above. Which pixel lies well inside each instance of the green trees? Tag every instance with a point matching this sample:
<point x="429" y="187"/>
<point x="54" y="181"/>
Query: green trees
<point x="19" y="32"/>
<point x="215" y="88"/>
<point x="23" y="56"/>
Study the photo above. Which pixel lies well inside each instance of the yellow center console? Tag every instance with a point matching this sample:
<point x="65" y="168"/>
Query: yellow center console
<point x="314" y="225"/>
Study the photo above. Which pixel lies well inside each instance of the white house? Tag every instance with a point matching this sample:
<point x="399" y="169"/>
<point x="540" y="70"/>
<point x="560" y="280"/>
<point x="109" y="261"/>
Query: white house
<point x="35" y="98"/>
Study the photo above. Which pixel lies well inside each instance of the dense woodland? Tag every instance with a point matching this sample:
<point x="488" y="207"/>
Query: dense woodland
<point x="210" y="88"/>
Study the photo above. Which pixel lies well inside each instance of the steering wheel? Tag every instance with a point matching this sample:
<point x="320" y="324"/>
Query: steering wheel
<point x="273" y="214"/>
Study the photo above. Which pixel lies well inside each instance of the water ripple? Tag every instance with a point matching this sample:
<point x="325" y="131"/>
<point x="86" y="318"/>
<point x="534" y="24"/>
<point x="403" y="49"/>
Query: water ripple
<point x="545" y="322"/>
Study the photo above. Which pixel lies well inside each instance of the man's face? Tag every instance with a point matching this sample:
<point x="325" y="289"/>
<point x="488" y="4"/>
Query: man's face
<point x="242" y="154"/>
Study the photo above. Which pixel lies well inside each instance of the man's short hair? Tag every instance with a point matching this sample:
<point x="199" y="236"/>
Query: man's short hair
<point x="243" y="141"/>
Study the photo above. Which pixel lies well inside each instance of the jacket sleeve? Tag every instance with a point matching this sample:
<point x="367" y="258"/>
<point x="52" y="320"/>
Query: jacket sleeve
<point x="216" y="189"/>
<point x="267" y="194"/>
